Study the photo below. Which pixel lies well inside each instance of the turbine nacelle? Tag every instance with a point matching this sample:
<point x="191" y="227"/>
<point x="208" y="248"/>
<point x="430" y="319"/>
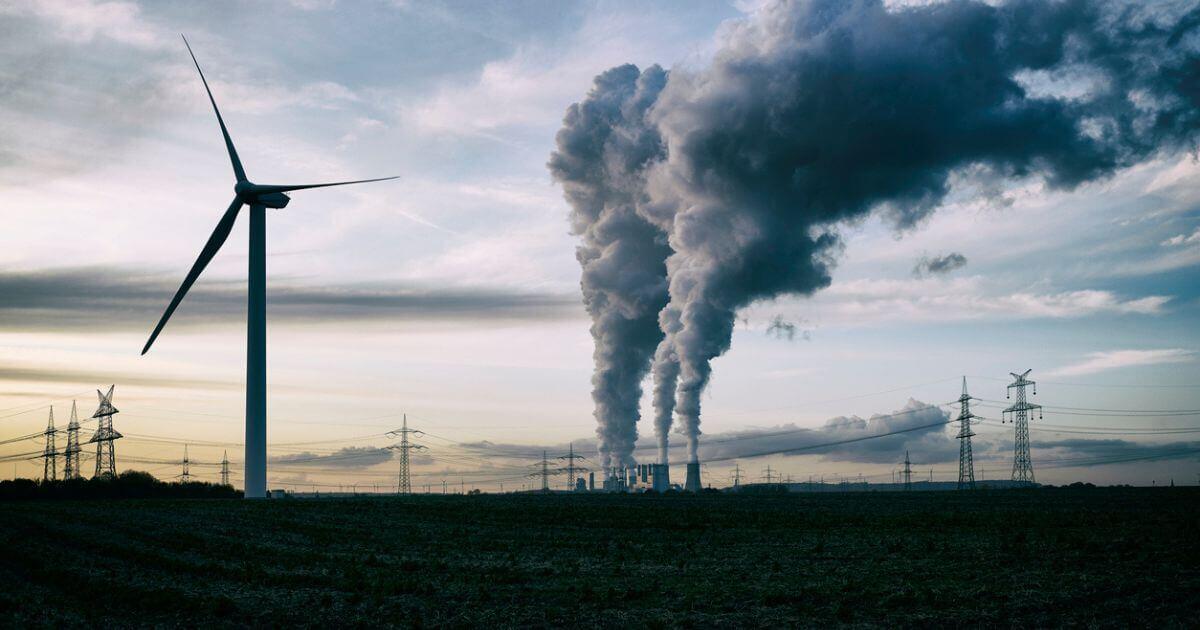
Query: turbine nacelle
<point x="254" y="195"/>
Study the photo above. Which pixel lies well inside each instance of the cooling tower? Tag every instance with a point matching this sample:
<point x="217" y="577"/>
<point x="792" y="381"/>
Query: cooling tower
<point x="692" y="483"/>
<point x="660" y="474"/>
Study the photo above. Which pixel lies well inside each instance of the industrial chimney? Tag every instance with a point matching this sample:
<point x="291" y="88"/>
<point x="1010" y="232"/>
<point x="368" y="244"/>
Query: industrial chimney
<point x="592" y="481"/>
<point x="692" y="483"/>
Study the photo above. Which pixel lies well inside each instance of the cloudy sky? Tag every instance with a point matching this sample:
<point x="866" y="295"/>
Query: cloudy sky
<point x="452" y="294"/>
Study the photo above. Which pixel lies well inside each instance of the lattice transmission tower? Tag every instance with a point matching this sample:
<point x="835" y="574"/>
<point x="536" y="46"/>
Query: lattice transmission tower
<point x="105" y="435"/>
<point x="406" y="447"/>
<point x="71" y="455"/>
<point x="186" y="474"/>
<point x="907" y="472"/>
<point x="966" y="460"/>
<point x="544" y="471"/>
<point x="225" y="469"/>
<point x="571" y="469"/>
<point x="50" y="454"/>
<point x="1018" y="414"/>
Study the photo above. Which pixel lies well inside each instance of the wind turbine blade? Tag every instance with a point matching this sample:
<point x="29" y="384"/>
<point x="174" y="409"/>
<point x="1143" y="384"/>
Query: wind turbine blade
<point x="233" y="156"/>
<point x="224" y="227"/>
<point x="273" y="188"/>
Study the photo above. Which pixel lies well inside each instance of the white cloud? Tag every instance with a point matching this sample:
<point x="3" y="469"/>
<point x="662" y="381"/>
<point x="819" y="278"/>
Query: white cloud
<point x="1116" y="359"/>
<point x="870" y="301"/>
<point x="83" y="21"/>
<point x="532" y="88"/>
<point x="1183" y="239"/>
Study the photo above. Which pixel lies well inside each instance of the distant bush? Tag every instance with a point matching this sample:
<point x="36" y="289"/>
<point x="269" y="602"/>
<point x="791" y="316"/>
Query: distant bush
<point x="131" y="484"/>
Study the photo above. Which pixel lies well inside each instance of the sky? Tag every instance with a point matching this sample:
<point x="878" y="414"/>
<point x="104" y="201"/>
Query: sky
<point x="452" y="294"/>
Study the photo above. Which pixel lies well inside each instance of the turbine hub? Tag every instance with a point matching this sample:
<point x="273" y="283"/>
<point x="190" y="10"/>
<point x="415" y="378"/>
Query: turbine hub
<point x="251" y="194"/>
<point x="244" y="191"/>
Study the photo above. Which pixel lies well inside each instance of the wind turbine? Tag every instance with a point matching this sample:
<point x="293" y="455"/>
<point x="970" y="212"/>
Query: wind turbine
<point x="258" y="197"/>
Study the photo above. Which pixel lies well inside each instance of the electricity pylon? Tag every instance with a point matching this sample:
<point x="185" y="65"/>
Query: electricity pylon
<point x="406" y="446"/>
<point x="907" y="472"/>
<point x="50" y="465"/>
<point x="186" y="475"/>
<point x="1018" y="414"/>
<point x="225" y="469"/>
<point x="571" y="469"/>
<point x="71" y="456"/>
<point x="106" y="459"/>
<point x="966" y="460"/>
<point x="544" y="471"/>
<point x="767" y="475"/>
<point x="737" y="476"/>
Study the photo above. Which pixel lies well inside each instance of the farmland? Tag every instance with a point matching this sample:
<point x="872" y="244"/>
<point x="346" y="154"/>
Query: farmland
<point x="1105" y="557"/>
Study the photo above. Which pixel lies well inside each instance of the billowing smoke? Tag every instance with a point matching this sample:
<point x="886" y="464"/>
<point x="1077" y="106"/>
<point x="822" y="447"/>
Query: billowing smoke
<point x="815" y="114"/>
<point x="939" y="265"/>
<point x="666" y="377"/>
<point x="603" y="149"/>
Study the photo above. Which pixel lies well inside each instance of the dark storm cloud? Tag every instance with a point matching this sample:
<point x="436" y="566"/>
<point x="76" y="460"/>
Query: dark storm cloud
<point x="937" y="265"/>
<point x="349" y="457"/>
<point x="115" y="298"/>
<point x="918" y="427"/>
<point x="509" y="451"/>
<point x="1089" y="452"/>
<point x="815" y="114"/>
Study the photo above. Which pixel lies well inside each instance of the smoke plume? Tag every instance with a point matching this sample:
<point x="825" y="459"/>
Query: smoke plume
<point x="816" y="114"/>
<point x="603" y="149"/>
<point x="938" y="265"/>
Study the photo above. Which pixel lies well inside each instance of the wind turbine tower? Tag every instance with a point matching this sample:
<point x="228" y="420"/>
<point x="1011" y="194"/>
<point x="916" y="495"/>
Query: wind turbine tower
<point x="49" y="455"/>
<point x="258" y="197"/>
<point x="1019" y="414"/>
<point x="105" y="435"/>
<point x="71" y="456"/>
<point x="966" y="461"/>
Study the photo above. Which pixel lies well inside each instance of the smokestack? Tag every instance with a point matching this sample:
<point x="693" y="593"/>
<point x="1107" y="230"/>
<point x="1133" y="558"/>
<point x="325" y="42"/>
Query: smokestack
<point x="692" y="483"/>
<point x="592" y="481"/>
<point x="661" y="476"/>
<point x="632" y="477"/>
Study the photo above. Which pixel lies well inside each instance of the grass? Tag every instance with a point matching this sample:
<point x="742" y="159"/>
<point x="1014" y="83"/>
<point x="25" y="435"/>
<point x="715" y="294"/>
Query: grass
<point x="1091" y="557"/>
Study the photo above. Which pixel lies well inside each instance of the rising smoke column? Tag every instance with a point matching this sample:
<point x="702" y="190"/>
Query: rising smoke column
<point x="815" y="114"/>
<point x="603" y="149"/>
<point x="666" y="379"/>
